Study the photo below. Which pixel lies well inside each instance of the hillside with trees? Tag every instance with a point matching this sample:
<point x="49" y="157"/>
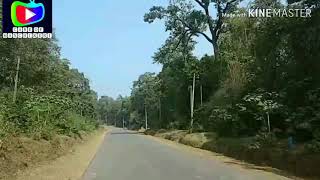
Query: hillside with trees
<point x="260" y="82"/>
<point x="43" y="99"/>
<point x="256" y="97"/>
<point x="41" y="95"/>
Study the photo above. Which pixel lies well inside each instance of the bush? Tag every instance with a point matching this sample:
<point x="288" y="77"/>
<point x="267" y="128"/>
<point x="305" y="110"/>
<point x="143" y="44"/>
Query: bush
<point x="263" y="140"/>
<point x="7" y="128"/>
<point x="198" y="140"/>
<point x="41" y="116"/>
<point x="73" y="124"/>
<point x="313" y="147"/>
<point x="225" y="122"/>
<point x="161" y="131"/>
<point x="150" y="132"/>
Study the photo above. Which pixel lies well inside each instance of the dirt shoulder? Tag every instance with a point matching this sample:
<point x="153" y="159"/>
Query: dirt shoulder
<point x="70" y="166"/>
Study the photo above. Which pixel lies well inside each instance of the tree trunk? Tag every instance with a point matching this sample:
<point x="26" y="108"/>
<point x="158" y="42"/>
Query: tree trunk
<point x="16" y="81"/>
<point x="216" y="51"/>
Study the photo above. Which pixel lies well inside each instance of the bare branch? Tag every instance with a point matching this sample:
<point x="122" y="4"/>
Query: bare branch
<point x="193" y="31"/>
<point x="180" y="40"/>
<point x="219" y="23"/>
<point x="205" y="36"/>
<point x="228" y="5"/>
<point x="188" y="39"/>
<point x="201" y="4"/>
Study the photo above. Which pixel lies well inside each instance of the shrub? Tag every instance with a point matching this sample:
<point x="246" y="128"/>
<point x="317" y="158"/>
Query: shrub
<point x="263" y="140"/>
<point x="199" y="140"/>
<point x="6" y="127"/>
<point x="161" y="131"/>
<point x="313" y="147"/>
<point x="42" y="116"/>
<point x="150" y="132"/>
<point x="74" y="124"/>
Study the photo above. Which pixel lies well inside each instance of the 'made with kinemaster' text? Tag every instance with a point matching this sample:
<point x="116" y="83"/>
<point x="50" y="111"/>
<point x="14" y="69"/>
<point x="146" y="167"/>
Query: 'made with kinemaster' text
<point x="269" y="13"/>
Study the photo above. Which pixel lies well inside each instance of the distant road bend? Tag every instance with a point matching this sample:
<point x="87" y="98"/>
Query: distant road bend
<point x="128" y="156"/>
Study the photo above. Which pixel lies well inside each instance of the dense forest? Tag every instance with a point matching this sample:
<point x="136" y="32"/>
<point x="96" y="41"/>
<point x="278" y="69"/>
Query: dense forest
<point x="262" y="77"/>
<point x="255" y="97"/>
<point x="40" y="94"/>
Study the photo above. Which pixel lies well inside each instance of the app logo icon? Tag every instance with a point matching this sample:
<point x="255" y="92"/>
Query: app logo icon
<point x="24" y="14"/>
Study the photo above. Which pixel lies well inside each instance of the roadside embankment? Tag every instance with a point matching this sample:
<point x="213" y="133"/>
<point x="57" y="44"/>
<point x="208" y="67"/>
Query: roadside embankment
<point x="62" y="157"/>
<point x="296" y="162"/>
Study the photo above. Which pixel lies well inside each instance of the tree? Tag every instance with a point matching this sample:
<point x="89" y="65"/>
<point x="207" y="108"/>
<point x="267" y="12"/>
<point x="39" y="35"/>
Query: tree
<point x="51" y="98"/>
<point x="184" y="21"/>
<point x="145" y="97"/>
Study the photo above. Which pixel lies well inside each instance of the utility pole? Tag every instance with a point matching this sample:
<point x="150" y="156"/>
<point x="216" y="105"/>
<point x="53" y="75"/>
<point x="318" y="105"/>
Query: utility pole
<point x="269" y="126"/>
<point x="201" y="95"/>
<point x="107" y="118"/>
<point x="122" y="122"/>
<point x="16" y="81"/>
<point x="192" y="91"/>
<point x="160" y="113"/>
<point x="146" y="116"/>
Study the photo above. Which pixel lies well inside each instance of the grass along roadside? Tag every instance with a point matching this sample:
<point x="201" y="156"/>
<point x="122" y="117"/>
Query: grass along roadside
<point x="61" y="158"/>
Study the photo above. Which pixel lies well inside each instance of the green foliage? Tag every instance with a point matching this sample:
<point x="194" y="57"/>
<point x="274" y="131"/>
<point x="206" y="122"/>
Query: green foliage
<point x="74" y="124"/>
<point x="314" y="146"/>
<point x="266" y="74"/>
<point x="185" y="21"/>
<point x="48" y="91"/>
<point x="261" y="102"/>
<point x="6" y="127"/>
<point x="221" y="120"/>
<point x="146" y="97"/>
<point x="307" y="117"/>
<point x="263" y="140"/>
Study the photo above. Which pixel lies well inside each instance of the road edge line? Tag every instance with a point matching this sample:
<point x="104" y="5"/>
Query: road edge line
<point x="106" y="134"/>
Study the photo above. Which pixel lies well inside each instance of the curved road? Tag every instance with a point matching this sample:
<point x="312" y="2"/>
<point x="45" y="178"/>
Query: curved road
<point x="128" y="156"/>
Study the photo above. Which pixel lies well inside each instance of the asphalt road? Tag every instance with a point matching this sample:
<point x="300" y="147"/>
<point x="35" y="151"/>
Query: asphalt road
<point x="127" y="156"/>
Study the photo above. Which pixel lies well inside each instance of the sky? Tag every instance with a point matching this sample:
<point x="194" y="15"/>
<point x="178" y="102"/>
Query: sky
<point x="109" y="41"/>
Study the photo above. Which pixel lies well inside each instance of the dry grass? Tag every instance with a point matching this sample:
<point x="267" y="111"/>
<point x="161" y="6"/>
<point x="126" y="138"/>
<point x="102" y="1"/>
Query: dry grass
<point x="176" y="135"/>
<point x="198" y="140"/>
<point x="20" y="154"/>
<point x="68" y="167"/>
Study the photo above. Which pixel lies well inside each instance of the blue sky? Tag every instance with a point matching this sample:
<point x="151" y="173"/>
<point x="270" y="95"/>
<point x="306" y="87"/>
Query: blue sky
<point x="109" y="41"/>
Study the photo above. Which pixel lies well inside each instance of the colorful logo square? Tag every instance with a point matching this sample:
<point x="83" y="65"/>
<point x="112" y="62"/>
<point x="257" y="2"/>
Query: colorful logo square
<point x="27" y="13"/>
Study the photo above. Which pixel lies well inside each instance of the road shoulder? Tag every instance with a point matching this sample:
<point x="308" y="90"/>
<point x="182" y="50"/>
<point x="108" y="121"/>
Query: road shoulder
<point x="68" y="167"/>
<point x="241" y="165"/>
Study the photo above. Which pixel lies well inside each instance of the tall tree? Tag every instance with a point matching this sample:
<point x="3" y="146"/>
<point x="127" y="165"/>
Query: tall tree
<point x="184" y="20"/>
